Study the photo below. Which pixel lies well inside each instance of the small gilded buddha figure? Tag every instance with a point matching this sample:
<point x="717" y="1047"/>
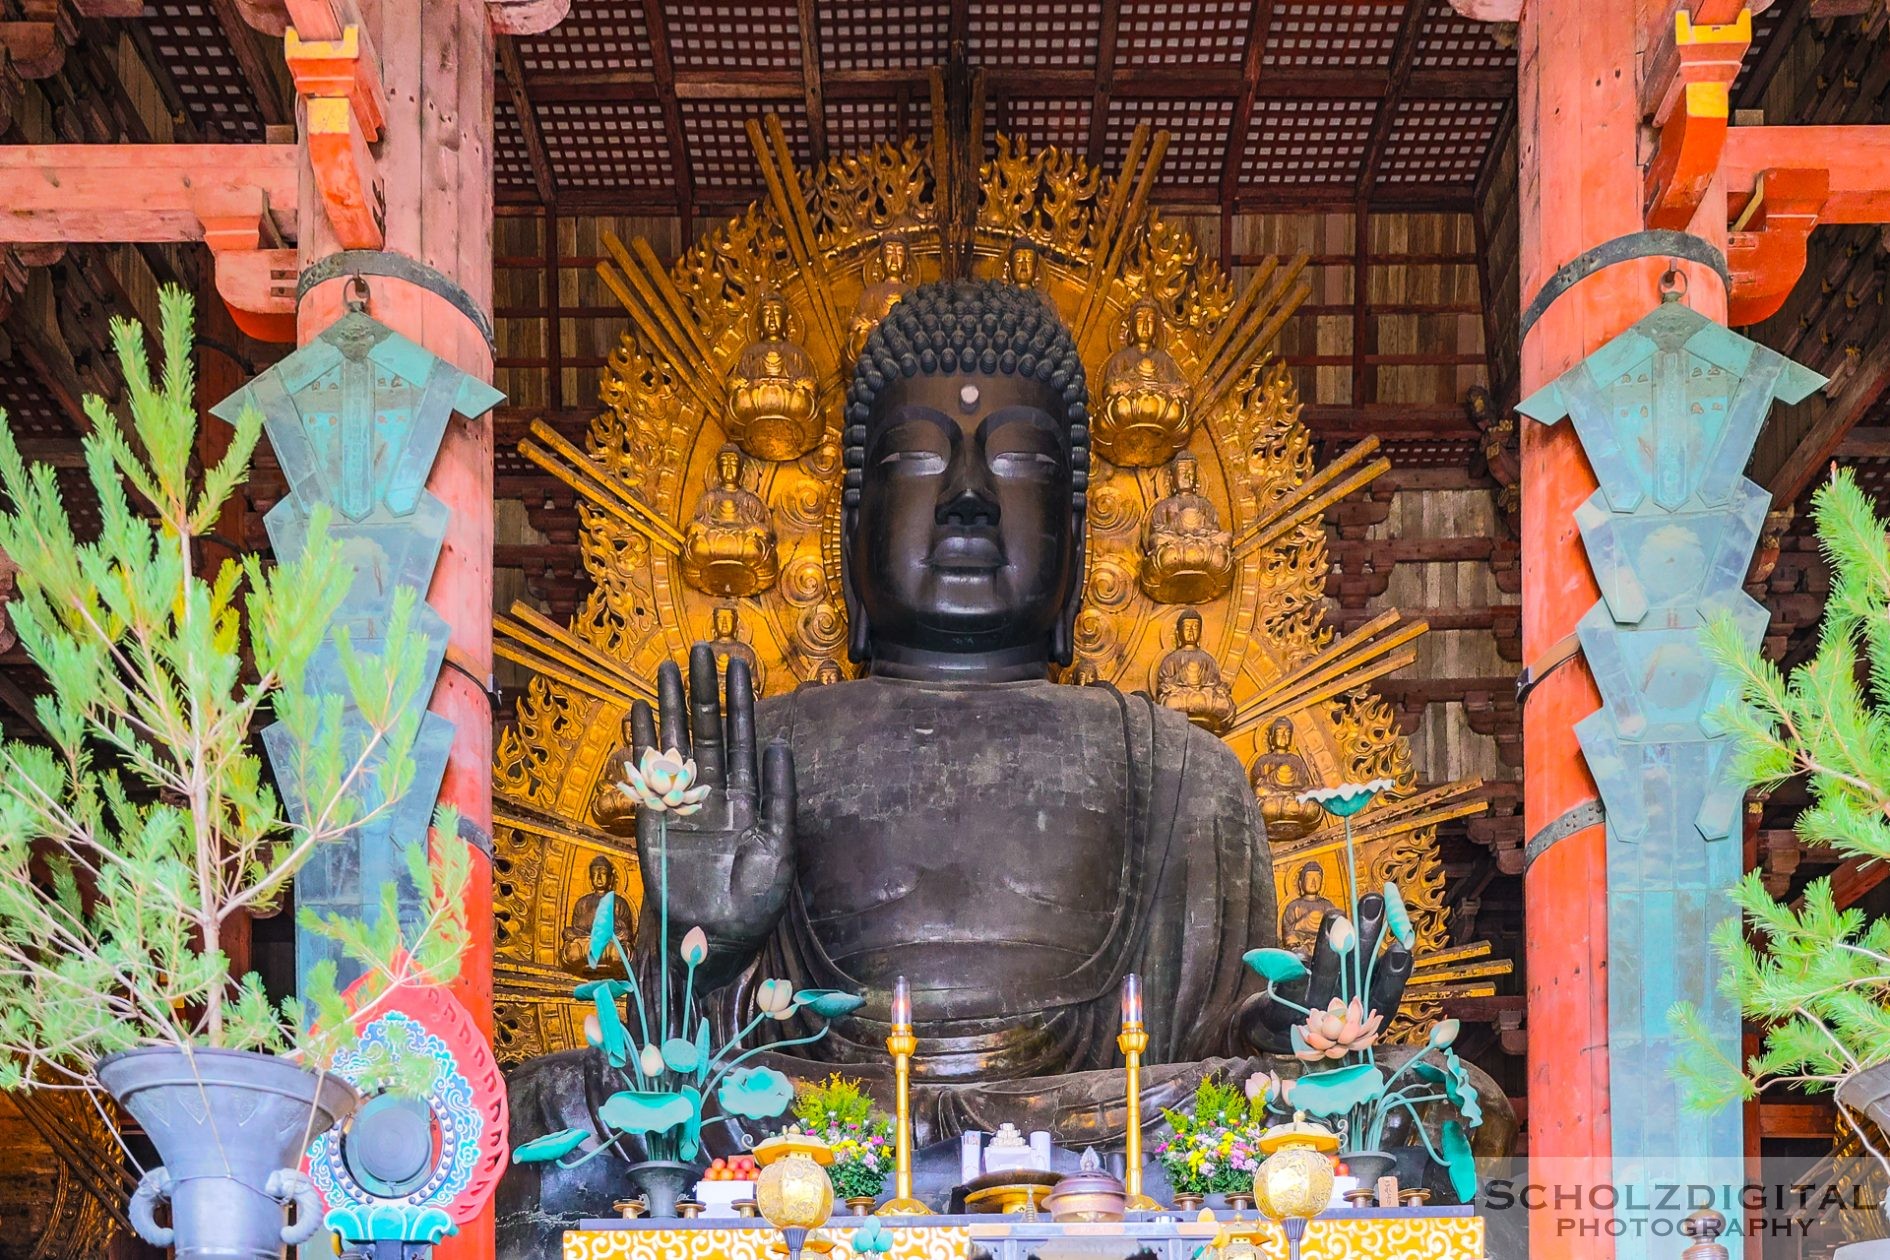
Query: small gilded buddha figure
<point x="828" y="673"/>
<point x="575" y="951"/>
<point x="1023" y="266"/>
<point x="1187" y="558"/>
<point x="772" y="389"/>
<point x="1279" y="775"/>
<point x="1145" y="414"/>
<point x="729" y="645"/>
<point x="729" y="547"/>
<point x="1189" y="679"/>
<point x="880" y="296"/>
<point x="1306" y="913"/>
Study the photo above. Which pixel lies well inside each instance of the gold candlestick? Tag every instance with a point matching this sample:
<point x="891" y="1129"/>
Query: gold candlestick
<point x="901" y="1045"/>
<point x="1132" y="1041"/>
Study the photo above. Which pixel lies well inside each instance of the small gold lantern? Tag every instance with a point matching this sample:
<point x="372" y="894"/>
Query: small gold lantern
<point x="1294" y="1182"/>
<point x="793" y="1191"/>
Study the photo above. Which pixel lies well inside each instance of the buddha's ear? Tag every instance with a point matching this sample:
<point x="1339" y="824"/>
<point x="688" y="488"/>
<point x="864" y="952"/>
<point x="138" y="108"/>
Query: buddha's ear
<point x="857" y="629"/>
<point x="1063" y="634"/>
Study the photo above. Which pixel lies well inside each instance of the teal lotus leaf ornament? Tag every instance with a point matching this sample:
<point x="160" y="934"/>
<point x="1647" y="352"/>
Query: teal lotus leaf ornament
<point x="1457" y="1085"/>
<point x="1398" y="917"/>
<point x="692" y="1127"/>
<point x="592" y="988"/>
<point x="603" y="927"/>
<point x="702" y="1048"/>
<point x="871" y="1239"/>
<point x="389" y="1222"/>
<point x="551" y="1146"/>
<point x="646" y="1111"/>
<point x="679" y="1054"/>
<point x="829" y="1003"/>
<point x="1336" y="1092"/>
<point x="1444" y="1033"/>
<point x="616" y="1041"/>
<point x="1340" y="936"/>
<point x="1347" y="799"/>
<point x="757" y="1093"/>
<point x="1277" y="965"/>
<point x="1459" y="1160"/>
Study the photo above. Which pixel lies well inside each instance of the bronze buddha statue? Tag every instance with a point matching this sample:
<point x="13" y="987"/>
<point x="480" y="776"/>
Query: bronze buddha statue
<point x="773" y="389"/>
<point x="729" y="547"/>
<point x="1279" y="775"/>
<point x="1187" y="558"/>
<point x="1011" y="845"/>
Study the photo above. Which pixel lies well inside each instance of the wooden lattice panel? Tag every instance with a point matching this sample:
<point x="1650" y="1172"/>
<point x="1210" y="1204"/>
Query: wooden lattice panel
<point x="1438" y="142"/>
<point x="720" y="157"/>
<point x="1409" y="453"/>
<point x="1306" y="142"/>
<point x="31" y="411"/>
<point x="607" y="144"/>
<point x="1197" y="135"/>
<point x="1046" y="121"/>
<point x="511" y="162"/>
<point x="188" y="37"/>
<point x="1036" y="34"/>
<point x="883" y="34"/>
<point x="598" y="36"/>
<point x="1448" y="41"/>
<point x="1333" y="34"/>
<point x="853" y="125"/>
<point x="1160" y="33"/>
<point x="711" y="35"/>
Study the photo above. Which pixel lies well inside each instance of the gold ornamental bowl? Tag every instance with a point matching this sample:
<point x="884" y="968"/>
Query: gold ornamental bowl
<point x="1295" y="1179"/>
<point x="1012" y="1192"/>
<point x="793" y="1190"/>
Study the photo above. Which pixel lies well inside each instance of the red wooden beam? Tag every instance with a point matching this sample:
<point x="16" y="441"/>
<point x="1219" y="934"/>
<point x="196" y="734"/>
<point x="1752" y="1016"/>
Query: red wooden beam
<point x="1857" y="158"/>
<point x="140" y="192"/>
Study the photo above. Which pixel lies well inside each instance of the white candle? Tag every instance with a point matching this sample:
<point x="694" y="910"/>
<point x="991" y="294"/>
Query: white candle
<point x="970" y="1156"/>
<point x="901" y="1004"/>
<point x="1131" y="999"/>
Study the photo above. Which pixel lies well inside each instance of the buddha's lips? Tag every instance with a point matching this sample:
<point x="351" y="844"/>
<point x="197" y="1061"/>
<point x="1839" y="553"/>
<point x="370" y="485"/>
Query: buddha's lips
<point x="972" y="551"/>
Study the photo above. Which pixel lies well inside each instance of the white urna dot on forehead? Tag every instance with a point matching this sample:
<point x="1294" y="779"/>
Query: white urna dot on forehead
<point x="968" y="397"/>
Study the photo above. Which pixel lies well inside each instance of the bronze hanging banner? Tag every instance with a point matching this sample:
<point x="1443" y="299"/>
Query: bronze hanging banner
<point x="1652" y="243"/>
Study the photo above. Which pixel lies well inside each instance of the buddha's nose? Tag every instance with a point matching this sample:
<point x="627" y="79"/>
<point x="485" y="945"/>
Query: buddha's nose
<point x="966" y="500"/>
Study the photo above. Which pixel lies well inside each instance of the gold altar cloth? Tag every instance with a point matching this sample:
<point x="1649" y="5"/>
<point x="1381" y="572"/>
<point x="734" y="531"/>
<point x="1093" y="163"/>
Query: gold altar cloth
<point x="1341" y="1236"/>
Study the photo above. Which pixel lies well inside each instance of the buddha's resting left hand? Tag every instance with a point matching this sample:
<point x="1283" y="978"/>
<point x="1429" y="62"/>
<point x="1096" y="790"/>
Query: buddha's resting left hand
<point x="729" y="865"/>
<point x="1267" y="1024"/>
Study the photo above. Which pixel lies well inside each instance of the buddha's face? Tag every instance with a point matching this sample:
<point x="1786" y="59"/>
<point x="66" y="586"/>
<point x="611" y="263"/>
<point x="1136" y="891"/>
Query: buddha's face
<point x="892" y="259"/>
<point x="1188" y="631"/>
<point x="1311" y="880"/>
<point x="725" y="623"/>
<point x="603" y="877"/>
<point x="965" y="540"/>
<point x="728" y="465"/>
<point x="1186" y="476"/>
<point x="1024" y="266"/>
<point x="1280" y="736"/>
<point x="771" y="319"/>
<point x="1144" y="326"/>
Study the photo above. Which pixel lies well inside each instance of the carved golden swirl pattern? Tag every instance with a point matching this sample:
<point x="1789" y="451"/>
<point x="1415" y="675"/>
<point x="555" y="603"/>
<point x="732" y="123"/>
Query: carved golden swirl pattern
<point x="661" y="424"/>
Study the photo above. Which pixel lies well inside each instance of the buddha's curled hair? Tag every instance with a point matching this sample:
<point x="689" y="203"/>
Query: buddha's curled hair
<point x="985" y="326"/>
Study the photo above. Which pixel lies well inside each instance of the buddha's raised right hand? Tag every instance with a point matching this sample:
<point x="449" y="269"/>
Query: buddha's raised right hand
<point x="730" y="864"/>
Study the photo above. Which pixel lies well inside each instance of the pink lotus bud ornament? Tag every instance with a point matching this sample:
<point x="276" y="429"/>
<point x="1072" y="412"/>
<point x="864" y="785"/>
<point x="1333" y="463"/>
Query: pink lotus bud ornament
<point x="1336" y="1031"/>
<point x="776" y="998"/>
<point x="695" y="946"/>
<point x="662" y="782"/>
<point x="651" y="1060"/>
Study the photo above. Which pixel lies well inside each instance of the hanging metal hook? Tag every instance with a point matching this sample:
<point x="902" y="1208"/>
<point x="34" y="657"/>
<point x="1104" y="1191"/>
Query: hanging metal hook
<point x="357" y="294"/>
<point x="1673" y="282"/>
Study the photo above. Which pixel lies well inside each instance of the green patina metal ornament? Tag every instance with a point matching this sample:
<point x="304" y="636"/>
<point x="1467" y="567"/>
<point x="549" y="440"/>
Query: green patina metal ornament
<point x="1667" y="414"/>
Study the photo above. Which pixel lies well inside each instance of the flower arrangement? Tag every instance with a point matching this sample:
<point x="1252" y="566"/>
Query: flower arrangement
<point x="1215" y="1144"/>
<point x="669" y="1068"/>
<point x="839" y="1113"/>
<point x="1341" y="1037"/>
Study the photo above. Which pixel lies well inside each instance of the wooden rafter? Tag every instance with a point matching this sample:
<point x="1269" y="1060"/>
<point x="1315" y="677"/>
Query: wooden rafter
<point x="813" y="91"/>
<point x="664" y="68"/>
<point x="1398" y="82"/>
<point x="1105" y="81"/>
<point x="258" y="62"/>
<point x="1259" y="26"/>
<point x="512" y="67"/>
